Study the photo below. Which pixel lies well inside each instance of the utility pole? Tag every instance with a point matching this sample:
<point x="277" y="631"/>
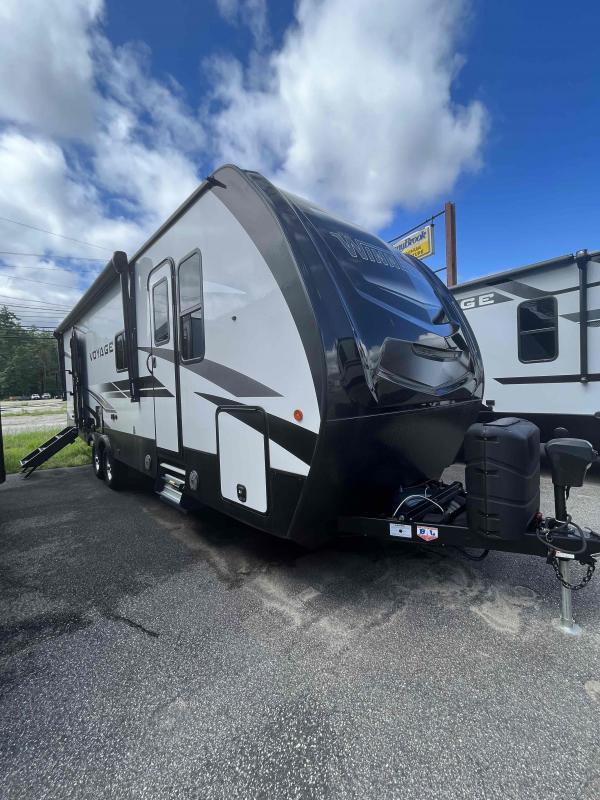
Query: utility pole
<point x="450" y="215"/>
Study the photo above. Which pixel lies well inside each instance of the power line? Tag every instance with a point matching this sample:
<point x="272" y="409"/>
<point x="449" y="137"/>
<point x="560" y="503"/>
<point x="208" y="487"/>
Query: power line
<point x="43" y="266"/>
<point x="45" y="255"/>
<point x="12" y="300"/>
<point x="53" y="233"/>
<point x="414" y="227"/>
<point x="42" y="283"/>
<point x="33" y="320"/>
<point x="18" y="308"/>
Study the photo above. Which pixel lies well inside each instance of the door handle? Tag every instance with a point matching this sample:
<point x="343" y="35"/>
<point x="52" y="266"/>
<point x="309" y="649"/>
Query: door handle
<point x="150" y="362"/>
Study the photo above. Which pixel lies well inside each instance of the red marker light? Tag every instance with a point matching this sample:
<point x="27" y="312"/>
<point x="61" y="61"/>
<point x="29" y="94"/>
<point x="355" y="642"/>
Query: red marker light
<point x="298" y="415"/>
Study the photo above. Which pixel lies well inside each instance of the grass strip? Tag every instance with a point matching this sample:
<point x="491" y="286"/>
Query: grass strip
<point x="18" y="445"/>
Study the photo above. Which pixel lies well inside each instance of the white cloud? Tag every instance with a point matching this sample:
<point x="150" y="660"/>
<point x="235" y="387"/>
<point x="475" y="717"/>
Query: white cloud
<point x="46" y="64"/>
<point x="92" y="146"/>
<point x="355" y="110"/>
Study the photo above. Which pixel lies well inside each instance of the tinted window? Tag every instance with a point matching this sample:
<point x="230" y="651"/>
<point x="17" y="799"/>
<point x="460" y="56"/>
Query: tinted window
<point x="160" y="303"/>
<point x="191" y="313"/>
<point x="120" y="352"/>
<point x="190" y="283"/>
<point x="538" y="330"/>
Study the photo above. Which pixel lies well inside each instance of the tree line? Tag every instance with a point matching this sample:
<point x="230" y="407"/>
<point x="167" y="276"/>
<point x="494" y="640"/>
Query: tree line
<point x="28" y="359"/>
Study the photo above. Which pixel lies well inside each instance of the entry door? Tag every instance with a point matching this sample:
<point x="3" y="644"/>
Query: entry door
<point x="161" y="361"/>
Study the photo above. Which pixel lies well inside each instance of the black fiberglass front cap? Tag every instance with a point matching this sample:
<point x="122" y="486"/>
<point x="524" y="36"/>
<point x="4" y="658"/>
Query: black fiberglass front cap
<point x="412" y="340"/>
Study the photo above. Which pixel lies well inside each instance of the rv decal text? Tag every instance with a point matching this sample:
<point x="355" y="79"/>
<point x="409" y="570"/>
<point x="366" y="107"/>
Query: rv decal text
<point x="103" y="350"/>
<point x="368" y="252"/>
<point x="479" y="300"/>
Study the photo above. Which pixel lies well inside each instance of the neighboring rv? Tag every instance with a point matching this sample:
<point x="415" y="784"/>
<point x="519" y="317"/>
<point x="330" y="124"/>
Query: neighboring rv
<point x="261" y="357"/>
<point x="538" y="329"/>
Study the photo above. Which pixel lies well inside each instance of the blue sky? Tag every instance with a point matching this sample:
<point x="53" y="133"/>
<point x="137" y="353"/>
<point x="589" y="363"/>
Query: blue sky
<point x="531" y="63"/>
<point x="379" y="111"/>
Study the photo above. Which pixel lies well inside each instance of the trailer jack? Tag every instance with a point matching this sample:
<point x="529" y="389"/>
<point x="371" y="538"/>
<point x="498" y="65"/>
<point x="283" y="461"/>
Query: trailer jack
<point x="570" y="460"/>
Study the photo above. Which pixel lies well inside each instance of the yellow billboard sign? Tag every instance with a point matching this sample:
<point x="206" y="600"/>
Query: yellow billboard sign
<point x="418" y="243"/>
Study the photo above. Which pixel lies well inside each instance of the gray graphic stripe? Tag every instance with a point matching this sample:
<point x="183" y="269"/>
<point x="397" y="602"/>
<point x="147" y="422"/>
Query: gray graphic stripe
<point x="593" y="315"/>
<point x="234" y="382"/>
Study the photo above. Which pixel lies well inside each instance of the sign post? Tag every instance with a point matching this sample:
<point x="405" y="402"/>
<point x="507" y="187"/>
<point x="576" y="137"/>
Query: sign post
<point x="450" y="215"/>
<point x="419" y="243"/>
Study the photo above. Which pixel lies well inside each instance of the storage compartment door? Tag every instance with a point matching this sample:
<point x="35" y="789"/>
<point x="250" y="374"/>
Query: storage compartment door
<point x="243" y="464"/>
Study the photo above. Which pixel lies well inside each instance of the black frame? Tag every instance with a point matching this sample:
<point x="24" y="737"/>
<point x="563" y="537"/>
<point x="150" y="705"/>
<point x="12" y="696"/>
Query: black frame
<point x="554" y="328"/>
<point x="126" y="367"/>
<point x="155" y="341"/>
<point x="461" y="536"/>
<point x="191" y="309"/>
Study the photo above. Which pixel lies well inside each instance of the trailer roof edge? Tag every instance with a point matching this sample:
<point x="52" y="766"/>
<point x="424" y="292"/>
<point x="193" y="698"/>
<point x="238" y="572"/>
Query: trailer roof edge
<point x="567" y="258"/>
<point x="109" y="273"/>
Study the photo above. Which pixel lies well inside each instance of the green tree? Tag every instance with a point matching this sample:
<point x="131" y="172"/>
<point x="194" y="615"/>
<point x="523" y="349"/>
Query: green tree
<point x="28" y="358"/>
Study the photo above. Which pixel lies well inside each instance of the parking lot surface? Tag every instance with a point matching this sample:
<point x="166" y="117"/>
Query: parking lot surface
<point x="148" y="654"/>
<point x="33" y="415"/>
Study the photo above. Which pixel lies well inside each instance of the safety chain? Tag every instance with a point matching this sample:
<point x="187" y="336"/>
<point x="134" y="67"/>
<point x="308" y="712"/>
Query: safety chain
<point x="584" y="581"/>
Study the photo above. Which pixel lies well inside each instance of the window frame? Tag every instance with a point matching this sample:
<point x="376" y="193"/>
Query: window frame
<point x="155" y="341"/>
<point x="126" y="367"/>
<point x="191" y="309"/>
<point x="553" y="328"/>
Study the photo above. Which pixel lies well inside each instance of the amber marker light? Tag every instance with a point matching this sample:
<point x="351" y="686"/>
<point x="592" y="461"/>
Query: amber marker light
<point x="298" y="415"/>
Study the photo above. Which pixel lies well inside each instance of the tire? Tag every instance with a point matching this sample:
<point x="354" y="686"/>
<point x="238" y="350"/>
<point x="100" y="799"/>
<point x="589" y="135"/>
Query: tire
<point x="98" y="460"/>
<point x="115" y="473"/>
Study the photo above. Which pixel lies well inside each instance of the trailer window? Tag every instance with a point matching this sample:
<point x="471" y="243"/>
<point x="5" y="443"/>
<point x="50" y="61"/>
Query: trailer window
<point x="538" y="330"/>
<point x="160" y="305"/>
<point x="120" y="352"/>
<point x="191" y="314"/>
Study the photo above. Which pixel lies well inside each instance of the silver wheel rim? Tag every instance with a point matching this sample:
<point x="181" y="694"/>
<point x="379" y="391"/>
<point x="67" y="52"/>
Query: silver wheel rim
<point x="108" y="469"/>
<point x="97" y="462"/>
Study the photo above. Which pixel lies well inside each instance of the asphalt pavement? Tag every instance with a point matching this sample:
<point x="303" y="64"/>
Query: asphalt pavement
<point x="148" y="654"/>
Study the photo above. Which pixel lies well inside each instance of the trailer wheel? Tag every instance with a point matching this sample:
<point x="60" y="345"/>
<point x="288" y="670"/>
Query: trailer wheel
<point x="97" y="460"/>
<point x="115" y="473"/>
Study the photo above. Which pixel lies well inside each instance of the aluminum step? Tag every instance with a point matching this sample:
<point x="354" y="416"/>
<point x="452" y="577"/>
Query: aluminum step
<point x="171" y="483"/>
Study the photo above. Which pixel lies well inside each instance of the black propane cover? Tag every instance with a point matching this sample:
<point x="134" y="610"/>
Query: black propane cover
<point x="502" y="477"/>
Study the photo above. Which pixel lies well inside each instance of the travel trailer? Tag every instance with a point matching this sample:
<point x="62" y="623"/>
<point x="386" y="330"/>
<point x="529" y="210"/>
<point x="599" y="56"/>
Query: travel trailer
<point x="246" y="353"/>
<point x="538" y="329"/>
<point x="259" y="356"/>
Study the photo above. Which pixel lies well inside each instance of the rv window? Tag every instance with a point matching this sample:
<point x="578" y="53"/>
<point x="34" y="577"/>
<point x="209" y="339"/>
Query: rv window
<point x="190" y="282"/>
<point x="191" y="316"/>
<point x="120" y="352"/>
<point x="538" y="330"/>
<point x="160" y="304"/>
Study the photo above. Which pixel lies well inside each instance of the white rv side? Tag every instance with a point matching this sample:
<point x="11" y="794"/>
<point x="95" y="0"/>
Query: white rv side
<point x="538" y="329"/>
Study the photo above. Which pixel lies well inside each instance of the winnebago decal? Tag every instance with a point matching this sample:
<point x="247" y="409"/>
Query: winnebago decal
<point x="357" y="248"/>
<point x="103" y="350"/>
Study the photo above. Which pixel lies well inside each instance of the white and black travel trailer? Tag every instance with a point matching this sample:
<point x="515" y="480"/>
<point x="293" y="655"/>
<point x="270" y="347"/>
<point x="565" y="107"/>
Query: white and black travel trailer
<point x="538" y="329"/>
<point x="263" y="358"/>
<point x="245" y="355"/>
